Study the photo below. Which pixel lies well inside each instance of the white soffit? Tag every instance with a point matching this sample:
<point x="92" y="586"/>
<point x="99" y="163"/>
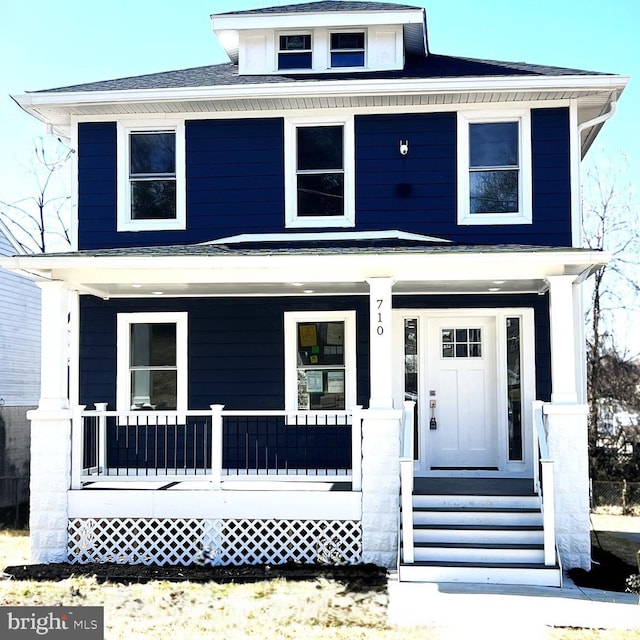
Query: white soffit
<point x="58" y="108"/>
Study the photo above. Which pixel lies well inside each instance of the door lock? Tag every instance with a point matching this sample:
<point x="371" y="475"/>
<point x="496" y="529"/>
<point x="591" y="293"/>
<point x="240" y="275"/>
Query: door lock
<point x="433" y="423"/>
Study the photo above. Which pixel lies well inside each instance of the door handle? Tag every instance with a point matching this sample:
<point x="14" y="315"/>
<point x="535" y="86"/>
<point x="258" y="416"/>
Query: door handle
<point x="433" y="423"/>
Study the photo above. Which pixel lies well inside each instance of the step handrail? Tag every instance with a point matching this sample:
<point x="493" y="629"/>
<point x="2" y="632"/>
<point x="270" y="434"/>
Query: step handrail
<point x="544" y="480"/>
<point x="406" y="481"/>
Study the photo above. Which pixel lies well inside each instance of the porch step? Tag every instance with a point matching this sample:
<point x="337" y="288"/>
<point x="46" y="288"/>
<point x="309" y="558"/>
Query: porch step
<point x="491" y="539"/>
<point x="476" y="552"/>
<point x="473" y="516"/>
<point x="482" y="573"/>
<point x="435" y="501"/>
<point x="442" y="533"/>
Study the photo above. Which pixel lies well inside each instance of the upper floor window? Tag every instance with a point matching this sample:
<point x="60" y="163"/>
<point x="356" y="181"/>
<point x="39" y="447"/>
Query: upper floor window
<point x="347" y="49"/>
<point x="152" y="361"/>
<point x="319" y="178"/>
<point x="294" y="51"/>
<point x="494" y="164"/>
<point x="151" y="178"/>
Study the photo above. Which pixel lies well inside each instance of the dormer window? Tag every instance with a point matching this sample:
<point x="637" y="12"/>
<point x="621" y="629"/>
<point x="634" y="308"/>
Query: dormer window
<point x="294" y="51"/>
<point x="347" y="49"/>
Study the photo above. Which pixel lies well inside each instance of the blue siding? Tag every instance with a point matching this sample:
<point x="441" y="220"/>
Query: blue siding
<point x="236" y="347"/>
<point x="97" y="184"/>
<point x="234" y="174"/>
<point x="417" y="192"/>
<point x="235" y="181"/>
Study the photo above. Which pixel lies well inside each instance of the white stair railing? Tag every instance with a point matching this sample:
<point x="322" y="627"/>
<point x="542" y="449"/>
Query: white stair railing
<point x="406" y="481"/>
<point x="544" y="481"/>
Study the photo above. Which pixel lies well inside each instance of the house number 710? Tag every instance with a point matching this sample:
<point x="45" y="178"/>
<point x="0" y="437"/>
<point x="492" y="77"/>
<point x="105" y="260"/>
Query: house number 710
<point x="380" y="327"/>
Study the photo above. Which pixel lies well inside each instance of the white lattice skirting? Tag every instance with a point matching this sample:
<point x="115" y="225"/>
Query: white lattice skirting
<point x="183" y="541"/>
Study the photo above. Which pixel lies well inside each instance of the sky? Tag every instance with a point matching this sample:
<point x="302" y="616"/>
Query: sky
<point x="54" y="43"/>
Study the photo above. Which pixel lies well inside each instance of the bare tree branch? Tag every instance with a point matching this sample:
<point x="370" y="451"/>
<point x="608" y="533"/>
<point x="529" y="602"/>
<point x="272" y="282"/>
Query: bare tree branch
<point x="40" y="219"/>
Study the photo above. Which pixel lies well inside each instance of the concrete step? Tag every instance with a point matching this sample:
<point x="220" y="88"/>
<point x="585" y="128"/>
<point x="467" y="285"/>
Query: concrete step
<point x="483" y="573"/>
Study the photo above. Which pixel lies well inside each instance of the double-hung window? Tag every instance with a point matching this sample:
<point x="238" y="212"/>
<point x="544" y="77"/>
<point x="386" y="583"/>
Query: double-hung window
<point x="347" y="49"/>
<point x="320" y="369"/>
<point x="294" y="51"/>
<point x="152" y="362"/>
<point x="151" y="178"/>
<point x="319" y="178"/>
<point x="494" y="164"/>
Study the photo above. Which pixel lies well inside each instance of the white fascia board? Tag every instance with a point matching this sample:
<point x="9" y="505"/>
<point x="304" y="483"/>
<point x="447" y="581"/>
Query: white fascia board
<point x="310" y="20"/>
<point x="352" y="87"/>
<point x="276" y="268"/>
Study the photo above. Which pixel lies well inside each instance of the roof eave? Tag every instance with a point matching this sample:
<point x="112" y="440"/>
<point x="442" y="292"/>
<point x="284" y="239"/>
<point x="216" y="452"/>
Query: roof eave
<point x="312" y="88"/>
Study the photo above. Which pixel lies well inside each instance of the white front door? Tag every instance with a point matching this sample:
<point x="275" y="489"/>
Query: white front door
<point x="472" y="375"/>
<point x="461" y="379"/>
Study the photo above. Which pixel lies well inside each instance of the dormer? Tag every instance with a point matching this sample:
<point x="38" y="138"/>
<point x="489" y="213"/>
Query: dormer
<point x="322" y="37"/>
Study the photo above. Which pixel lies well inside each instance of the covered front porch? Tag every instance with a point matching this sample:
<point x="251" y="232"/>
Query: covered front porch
<point x="98" y="464"/>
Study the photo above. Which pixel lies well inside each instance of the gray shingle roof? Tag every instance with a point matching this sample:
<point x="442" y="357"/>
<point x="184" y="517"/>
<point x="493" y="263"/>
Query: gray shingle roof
<point x="309" y="248"/>
<point x="331" y="5"/>
<point x="226" y="74"/>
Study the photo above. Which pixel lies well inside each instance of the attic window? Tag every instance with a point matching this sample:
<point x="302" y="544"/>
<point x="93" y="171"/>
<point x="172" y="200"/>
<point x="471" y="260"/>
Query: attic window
<point x="347" y="49"/>
<point x="294" y="51"/>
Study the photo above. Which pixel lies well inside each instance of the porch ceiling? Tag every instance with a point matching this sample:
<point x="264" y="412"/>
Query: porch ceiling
<point x="433" y="270"/>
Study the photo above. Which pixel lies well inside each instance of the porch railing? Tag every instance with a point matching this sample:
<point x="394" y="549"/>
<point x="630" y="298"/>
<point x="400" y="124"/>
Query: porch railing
<point x="215" y="445"/>
<point x="543" y="469"/>
<point x="406" y="481"/>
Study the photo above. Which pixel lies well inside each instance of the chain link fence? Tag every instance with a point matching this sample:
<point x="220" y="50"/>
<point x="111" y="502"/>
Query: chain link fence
<point x="14" y="502"/>
<point x="617" y="497"/>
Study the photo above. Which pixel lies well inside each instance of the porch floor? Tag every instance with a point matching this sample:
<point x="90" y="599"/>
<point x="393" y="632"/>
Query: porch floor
<point x="473" y="486"/>
<point x="422" y="486"/>
<point x="230" y="485"/>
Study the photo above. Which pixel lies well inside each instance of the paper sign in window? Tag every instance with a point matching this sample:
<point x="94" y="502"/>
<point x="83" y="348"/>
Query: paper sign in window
<point x="335" y="333"/>
<point x="314" y="382"/>
<point x="308" y="335"/>
<point x="335" y="381"/>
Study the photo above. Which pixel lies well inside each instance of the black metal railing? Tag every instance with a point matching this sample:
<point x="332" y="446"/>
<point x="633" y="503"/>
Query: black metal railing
<point x="118" y="445"/>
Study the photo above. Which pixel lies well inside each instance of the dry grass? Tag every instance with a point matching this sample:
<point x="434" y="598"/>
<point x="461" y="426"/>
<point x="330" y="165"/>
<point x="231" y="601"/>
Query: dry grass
<point x="314" y="609"/>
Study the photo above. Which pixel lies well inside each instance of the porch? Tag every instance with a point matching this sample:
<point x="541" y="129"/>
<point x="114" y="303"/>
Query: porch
<point x="176" y="479"/>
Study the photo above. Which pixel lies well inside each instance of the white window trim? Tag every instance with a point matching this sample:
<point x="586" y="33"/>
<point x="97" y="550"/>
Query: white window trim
<point x="291" y="320"/>
<point x="524" y="215"/>
<point x="278" y="51"/>
<point x="123" y="378"/>
<point x="365" y="64"/>
<point x="125" y="223"/>
<point x="290" y="177"/>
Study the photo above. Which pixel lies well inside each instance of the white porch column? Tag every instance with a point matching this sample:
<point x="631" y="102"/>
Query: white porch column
<point x="380" y="486"/>
<point x="567" y="425"/>
<point x="563" y="340"/>
<point x="51" y="434"/>
<point x="380" y="343"/>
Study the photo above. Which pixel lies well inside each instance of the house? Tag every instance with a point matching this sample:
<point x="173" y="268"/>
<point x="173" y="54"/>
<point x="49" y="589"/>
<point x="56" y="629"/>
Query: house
<point x="325" y="306"/>
<point x="19" y="374"/>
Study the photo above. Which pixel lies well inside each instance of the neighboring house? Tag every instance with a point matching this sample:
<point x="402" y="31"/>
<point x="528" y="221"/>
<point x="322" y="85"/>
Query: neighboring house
<point x="276" y="258"/>
<point x="19" y="373"/>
